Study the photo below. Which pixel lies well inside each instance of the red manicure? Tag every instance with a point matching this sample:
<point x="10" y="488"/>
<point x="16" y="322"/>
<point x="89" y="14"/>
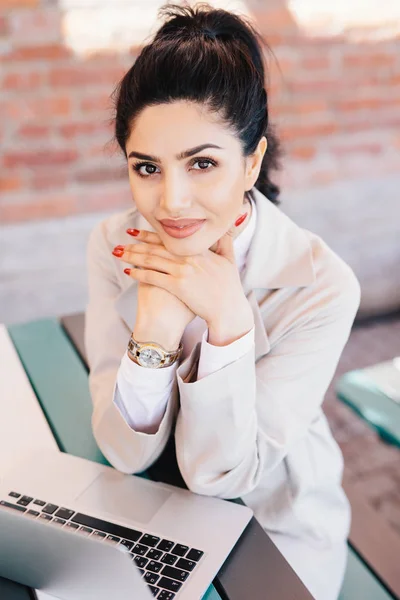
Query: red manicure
<point x="240" y="220"/>
<point x="133" y="231"/>
<point x="118" y="251"/>
<point x="127" y="271"/>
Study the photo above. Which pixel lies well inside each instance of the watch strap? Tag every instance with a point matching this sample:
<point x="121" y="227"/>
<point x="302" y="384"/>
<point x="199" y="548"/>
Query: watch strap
<point x="168" y="357"/>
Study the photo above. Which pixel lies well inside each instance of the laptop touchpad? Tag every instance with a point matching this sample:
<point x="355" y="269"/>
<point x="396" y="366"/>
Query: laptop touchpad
<point x="124" y="496"/>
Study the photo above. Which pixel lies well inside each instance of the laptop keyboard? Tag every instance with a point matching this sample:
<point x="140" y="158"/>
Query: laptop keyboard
<point x="164" y="564"/>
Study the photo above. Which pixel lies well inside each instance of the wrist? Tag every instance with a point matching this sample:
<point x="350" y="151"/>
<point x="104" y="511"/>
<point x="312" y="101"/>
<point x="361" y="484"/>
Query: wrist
<point x="169" y="341"/>
<point x="229" y="329"/>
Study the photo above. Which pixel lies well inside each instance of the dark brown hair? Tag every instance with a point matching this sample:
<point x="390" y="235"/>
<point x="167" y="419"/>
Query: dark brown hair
<point x="210" y="56"/>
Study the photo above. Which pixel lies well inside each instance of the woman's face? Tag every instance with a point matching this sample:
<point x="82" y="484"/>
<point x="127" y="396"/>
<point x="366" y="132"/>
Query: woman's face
<point x="210" y="184"/>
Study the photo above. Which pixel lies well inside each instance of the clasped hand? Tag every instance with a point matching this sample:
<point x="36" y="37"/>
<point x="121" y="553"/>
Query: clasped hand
<point x="208" y="283"/>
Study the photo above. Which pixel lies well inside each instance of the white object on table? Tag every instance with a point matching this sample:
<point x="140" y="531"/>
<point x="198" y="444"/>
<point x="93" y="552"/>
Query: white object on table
<point x="23" y="425"/>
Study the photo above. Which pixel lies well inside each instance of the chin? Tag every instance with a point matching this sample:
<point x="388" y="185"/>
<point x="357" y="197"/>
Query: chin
<point x="187" y="246"/>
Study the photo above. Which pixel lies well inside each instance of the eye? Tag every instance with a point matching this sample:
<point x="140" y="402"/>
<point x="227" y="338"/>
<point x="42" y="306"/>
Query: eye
<point x="203" y="160"/>
<point x="137" y="166"/>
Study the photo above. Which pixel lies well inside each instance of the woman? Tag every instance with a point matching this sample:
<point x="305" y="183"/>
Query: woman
<point x="248" y="313"/>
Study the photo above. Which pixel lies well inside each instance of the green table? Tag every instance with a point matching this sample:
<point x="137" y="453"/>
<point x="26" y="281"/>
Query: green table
<point x="54" y="359"/>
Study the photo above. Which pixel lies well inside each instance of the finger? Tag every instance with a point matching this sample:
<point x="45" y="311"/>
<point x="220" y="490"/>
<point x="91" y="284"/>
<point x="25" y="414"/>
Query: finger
<point x="152" y="249"/>
<point x="151" y="277"/>
<point x="150" y="261"/>
<point x="225" y="246"/>
<point x="149" y="237"/>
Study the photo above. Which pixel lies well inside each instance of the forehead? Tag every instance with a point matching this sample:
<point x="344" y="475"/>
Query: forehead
<point x="176" y="126"/>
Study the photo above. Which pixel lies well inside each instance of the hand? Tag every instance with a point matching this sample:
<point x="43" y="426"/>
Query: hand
<point x="208" y="284"/>
<point x="158" y="310"/>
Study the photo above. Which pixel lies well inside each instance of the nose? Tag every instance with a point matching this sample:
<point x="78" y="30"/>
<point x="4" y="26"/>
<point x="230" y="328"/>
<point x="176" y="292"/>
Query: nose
<point x="175" y="197"/>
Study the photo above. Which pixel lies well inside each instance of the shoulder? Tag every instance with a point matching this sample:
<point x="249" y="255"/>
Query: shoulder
<point x="336" y="287"/>
<point x="105" y="235"/>
<point x="111" y="230"/>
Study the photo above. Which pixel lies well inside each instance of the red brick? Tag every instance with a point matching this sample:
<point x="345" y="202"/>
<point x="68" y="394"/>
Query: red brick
<point x="19" y="3"/>
<point x="316" y="86"/>
<point x="22" y="81"/>
<point x="278" y="19"/>
<point x="39" y="158"/>
<point x="100" y="102"/>
<point x="25" y="108"/>
<point x="107" y="149"/>
<point x="284" y="66"/>
<point x="4" y="26"/>
<point x="362" y="148"/>
<point x="72" y="130"/>
<point x="321" y="177"/>
<point x="365" y="103"/>
<point x="43" y="52"/>
<point x="302" y="152"/>
<point x="28" y="26"/>
<point x="396" y="141"/>
<point x="315" y="62"/>
<point x="33" y="131"/>
<point x="369" y="61"/>
<point x="302" y="108"/>
<point x="81" y="76"/>
<point x="101" y="174"/>
<point x="56" y="207"/>
<point x="10" y="184"/>
<point x="377" y="120"/>
<point x="293" y="132"/>
<point x="47" y="180"/>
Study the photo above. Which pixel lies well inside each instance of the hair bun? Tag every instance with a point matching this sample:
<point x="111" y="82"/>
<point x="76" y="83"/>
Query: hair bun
<point x="209" y="34"/>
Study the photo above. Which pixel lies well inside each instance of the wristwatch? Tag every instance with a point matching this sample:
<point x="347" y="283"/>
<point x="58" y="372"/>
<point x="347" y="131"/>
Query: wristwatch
<point x="151" y="354"/>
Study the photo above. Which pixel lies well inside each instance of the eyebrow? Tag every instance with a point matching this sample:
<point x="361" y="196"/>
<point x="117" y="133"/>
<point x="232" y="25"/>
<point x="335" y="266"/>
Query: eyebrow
<point x="180" y="156"/>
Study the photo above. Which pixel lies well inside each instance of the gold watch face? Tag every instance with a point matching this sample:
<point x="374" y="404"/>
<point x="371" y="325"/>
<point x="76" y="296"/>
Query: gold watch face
<point x="149" y="357"/>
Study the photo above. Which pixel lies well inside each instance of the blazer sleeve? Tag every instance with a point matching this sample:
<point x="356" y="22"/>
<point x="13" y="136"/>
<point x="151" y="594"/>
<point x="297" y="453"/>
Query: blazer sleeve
<point x="212" y="358"/>
<point x="106" y="338"/>
<point x="143" y="405"/>
<point x="238" y="423"/>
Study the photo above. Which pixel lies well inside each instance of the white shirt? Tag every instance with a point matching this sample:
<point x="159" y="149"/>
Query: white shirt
<point x="142" y="394"/>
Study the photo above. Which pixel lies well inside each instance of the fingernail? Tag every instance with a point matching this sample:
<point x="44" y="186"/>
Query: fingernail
<point x="240" y="220"/>
<point x="118" y="251"/>
<point x="133" y="231"/>
<point x="127" y="271"/>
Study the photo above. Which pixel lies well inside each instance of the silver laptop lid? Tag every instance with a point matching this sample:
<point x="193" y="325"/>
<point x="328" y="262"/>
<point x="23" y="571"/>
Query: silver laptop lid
<point x="65" y="564"/>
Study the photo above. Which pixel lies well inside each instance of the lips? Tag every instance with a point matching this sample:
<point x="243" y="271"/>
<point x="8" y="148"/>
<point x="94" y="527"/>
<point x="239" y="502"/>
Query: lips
<point x="180" y="223"/>
<point x="183" y="232"/>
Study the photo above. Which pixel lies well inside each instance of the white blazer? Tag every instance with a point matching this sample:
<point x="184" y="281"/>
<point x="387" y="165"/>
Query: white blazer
<point x="254" y="429"/>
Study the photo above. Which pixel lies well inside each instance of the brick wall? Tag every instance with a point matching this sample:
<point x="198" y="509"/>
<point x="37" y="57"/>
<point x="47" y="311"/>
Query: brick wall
<point x="336" y="101"/>
<point x="334" y="81"/>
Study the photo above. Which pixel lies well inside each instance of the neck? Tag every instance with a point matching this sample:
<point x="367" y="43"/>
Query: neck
<point x="247" y="207"/>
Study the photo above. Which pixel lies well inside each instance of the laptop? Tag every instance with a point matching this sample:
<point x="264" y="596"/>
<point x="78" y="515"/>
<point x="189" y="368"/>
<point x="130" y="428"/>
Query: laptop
<point x="78" y="530"/>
